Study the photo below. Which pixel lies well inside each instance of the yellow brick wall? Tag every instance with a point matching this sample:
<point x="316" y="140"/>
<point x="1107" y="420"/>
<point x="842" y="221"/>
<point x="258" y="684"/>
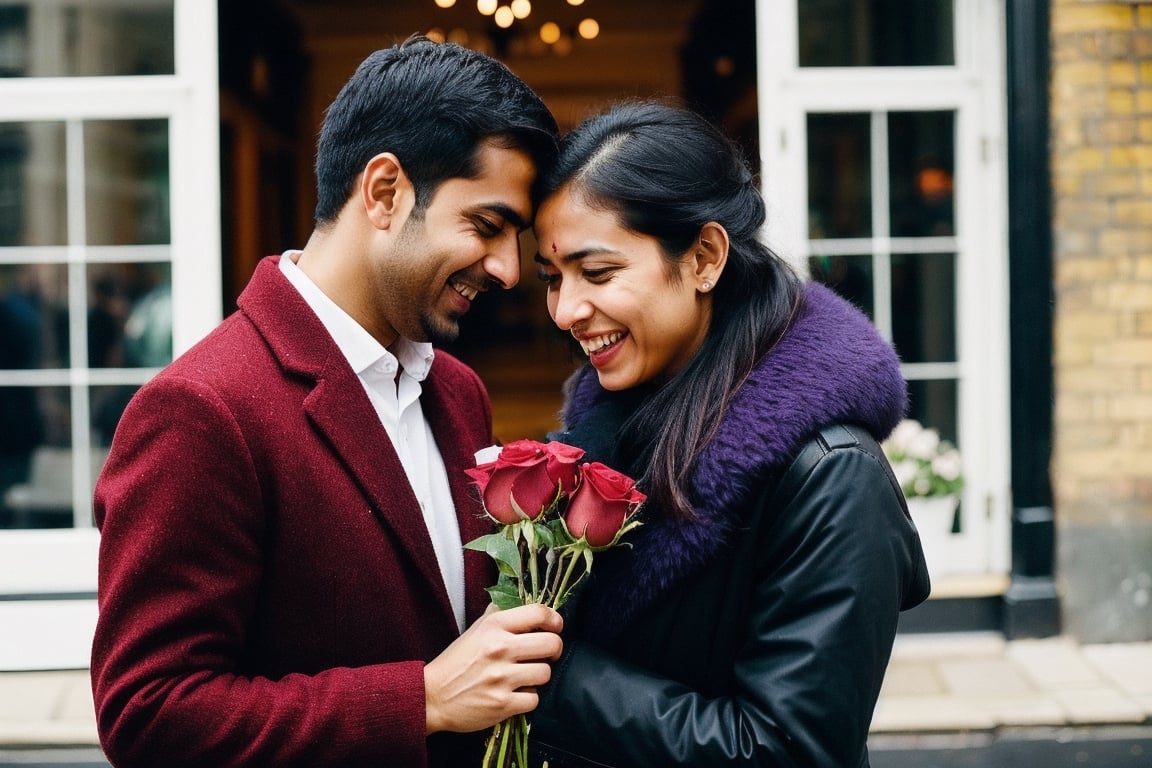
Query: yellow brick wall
<point x="1101" y="113"/>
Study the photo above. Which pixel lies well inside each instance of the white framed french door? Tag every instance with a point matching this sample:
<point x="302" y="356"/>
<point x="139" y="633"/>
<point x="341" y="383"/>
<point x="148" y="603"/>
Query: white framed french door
<point x="882" y="134"/>
<point x="109" y="265"/>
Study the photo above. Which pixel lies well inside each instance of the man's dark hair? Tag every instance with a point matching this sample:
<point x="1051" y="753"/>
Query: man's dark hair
<point x="432" y="105"/>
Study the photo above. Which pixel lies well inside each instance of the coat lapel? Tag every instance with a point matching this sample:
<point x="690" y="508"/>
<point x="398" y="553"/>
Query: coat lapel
<point x="343" y="415"/>
<point x="447" y="414"/>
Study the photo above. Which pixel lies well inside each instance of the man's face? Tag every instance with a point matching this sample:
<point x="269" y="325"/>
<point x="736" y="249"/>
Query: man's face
<point x="466" y="241"/>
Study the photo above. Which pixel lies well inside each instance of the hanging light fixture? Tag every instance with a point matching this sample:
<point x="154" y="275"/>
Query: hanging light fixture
<point x="551" y="36"/>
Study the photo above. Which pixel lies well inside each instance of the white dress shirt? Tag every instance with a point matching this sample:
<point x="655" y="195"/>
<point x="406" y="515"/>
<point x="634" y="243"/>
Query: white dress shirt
<point x="397" y="403"/>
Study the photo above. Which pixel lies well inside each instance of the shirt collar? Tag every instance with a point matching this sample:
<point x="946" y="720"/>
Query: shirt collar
<point x="359" y="347"/>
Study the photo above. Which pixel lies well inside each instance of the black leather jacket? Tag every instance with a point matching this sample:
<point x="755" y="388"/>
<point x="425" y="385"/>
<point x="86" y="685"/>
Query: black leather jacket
<point x="774" y="653"/>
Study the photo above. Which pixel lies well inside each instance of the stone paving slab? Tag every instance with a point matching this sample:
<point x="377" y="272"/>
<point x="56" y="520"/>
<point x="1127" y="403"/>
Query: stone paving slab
<point x="966" y="682"/>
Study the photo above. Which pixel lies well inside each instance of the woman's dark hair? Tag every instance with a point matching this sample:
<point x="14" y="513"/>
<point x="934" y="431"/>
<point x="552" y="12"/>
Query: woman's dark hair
<point x="665" y="172"/>
<point x="432" y="105"/>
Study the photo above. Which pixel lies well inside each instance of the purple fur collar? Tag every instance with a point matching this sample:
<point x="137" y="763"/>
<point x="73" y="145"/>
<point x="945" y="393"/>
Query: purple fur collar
<point x="831" y="365"/>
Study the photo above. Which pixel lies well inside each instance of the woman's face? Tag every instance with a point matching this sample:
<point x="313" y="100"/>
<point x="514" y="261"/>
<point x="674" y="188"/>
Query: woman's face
<point x="637" y="318"/>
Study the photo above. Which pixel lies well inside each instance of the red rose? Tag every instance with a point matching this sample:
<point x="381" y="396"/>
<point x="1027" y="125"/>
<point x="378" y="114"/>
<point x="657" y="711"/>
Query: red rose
<point x="562" y="468"/>
<point x="601" y="504"/>
<point x="520" y="476"/>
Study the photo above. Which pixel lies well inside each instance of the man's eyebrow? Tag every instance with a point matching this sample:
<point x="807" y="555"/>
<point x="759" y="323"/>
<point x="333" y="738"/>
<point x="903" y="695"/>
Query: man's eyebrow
<point x="508" y="213"/>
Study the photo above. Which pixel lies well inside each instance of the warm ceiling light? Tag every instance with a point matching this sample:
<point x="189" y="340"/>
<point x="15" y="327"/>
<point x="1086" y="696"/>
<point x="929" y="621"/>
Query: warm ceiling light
<point x="549" y="32"/>
<point x="575" y="2"/>
<point x="445" y="3"/>
<point x="588" y="28"/>
<point x="504" y="17"/>
<point x="486" y="7"/>
<point x="521" y="8"/>
<point x="435" y="34"/>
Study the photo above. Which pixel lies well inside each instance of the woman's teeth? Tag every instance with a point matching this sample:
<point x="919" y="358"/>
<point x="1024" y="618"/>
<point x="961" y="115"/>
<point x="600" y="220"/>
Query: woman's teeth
<point x="598" y="343"/>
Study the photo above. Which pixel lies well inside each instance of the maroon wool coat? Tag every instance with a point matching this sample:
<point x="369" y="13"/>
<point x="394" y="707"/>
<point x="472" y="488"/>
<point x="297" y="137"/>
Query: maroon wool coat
<point x="268" y="590"/>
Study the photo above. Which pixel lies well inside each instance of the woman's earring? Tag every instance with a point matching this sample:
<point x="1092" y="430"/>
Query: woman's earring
<point x="706" y="286"/>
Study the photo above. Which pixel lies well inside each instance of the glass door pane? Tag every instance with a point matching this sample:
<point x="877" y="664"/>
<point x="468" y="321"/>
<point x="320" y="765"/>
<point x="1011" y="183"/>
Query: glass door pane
<point x="875" y="33"/>
<point x="881" y="228"/>
<point x="921" y="169"/>
<point x="85" y="303"/>
<point x="839" y="176"/>
<point x="85" y="38"/>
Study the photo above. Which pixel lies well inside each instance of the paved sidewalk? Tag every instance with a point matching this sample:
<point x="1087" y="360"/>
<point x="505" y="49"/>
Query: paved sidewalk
<point x="936" y="684"/>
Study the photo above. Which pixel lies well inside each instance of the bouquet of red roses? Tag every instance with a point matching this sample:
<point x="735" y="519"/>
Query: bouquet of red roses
<point x="553" y="512"/>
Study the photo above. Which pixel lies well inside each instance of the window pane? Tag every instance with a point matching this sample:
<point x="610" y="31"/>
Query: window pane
<point x="924" y="307"/>
<point x="129" y="315"/>
<point x="126" y="182"/>
<point x="69" y="38"/>
<point x="932" y="402"/>
<point x="921" y="171"/>
<point x="33" y="206"/>
<point x="106" y="406"/>
<point x="33" y="316"/>
<point x="35" y="461"/>
<point x="849" y="276"/>
<point x="839" y="176"/>
<point x="875" y="33"/>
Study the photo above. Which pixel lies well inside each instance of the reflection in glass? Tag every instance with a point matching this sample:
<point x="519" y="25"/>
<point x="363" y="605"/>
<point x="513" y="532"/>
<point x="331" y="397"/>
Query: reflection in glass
<point x="33" y="316"/>
<point x="33" y="205"/>
<point x="922" y="168"/>
<point x="839" y="175"/>
<point x="875" y="33"/>
<point x="849" y="276"/>
<point x="35" y="461"/>
<point x="129" y="315"/>
<point x="83" y="38"/>
<point x="126" y="182"/>
<point x="924" y="307"/>
<point x="106" y="405"/>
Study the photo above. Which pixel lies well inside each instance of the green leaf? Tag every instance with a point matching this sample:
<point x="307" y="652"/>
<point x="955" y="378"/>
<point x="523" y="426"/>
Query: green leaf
<point x="559" y="532"/>
<point x="504" y="595"/>
<point x="480" y="543"/>
<point x="505" y="552"/>
<point x="544" y="535"/>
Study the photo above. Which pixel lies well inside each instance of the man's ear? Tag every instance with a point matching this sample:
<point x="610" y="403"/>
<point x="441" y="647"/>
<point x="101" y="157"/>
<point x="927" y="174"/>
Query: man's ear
<point x="385" y="190"/>
<point x="711" y="255"/>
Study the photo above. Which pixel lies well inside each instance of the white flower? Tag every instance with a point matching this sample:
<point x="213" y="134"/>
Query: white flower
<point x="901" y="437"/>
<point x="924" y="445"/>
<point x="923" y="464"/>
<point x="947" y="465"/>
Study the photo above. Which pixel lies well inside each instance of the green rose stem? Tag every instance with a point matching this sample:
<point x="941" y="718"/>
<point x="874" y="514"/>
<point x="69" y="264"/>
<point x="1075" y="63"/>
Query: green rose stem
<point x="511" y="734"/>
<point x="560" y="593"/>
<point x="530" y="540"/>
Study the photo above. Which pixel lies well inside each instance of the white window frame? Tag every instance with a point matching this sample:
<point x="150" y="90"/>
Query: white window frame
<point x="975" y="90"/>
<point x="41" y="567"/>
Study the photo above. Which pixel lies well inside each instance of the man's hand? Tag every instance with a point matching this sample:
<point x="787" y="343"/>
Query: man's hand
<point x="491" y="672"/>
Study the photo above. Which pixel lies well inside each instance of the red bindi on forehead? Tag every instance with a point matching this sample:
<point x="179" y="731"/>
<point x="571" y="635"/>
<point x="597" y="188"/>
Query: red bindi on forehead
<point x="553" y="247"/>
